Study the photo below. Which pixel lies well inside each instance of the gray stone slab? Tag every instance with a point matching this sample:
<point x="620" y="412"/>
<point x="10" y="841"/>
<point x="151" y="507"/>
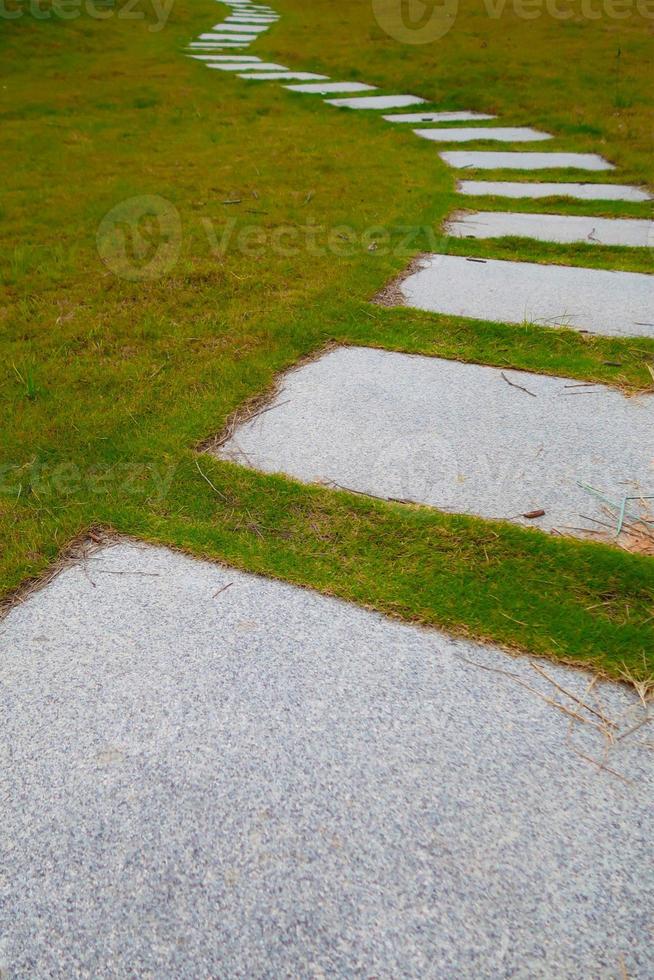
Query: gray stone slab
<point x="598" y="301"/>
<point x="240" y="28"/>
<point x="455" y="116"/>
<point x="245" y="66"/>
<point x="265" y="782"/>
<point x="497" y="160"/>
<point x="279" y="76"/>
<point x="226" y="38"/>
<point x="455" y="436"/>
<point x="468" y="134"/>
<point x="323" y="89"/>
<point x="377" y="102"/>
<point x="584" y="192"/>
<point x="238" y="59"/>
<point x="633" y="232"/>
<point x="216" y="45"/>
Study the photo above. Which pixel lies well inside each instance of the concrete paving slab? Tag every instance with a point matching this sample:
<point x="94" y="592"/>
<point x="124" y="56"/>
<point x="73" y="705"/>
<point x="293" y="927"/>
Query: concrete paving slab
<point x="468" y="134"/>
<point x="266" y="782"/>
<point x="377" y="102"/>
<point x="239" y="59"/>
<point x="455" y="116"/>
<point x="495" y="160"/>
<point x="323" y="89"/>
<point x="617" y="304"/>
<point x="244" y="66"/>
<point x="279" y="76"/>
<point x="584" y="192"/>
<point x="216" y="45"/>
<point x="634" y="232"/>
<point x="224" y="37"/>
<point x="240" y="28"/>
<point x="459" y="437"/>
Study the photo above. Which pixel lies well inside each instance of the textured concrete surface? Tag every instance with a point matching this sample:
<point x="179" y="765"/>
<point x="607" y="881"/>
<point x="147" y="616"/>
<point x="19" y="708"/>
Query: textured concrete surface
<point x="616" y="304"/>
<point x="459" y="437"/>
<point x="245" y="66"/>
<point x="332" y="87"/>
<point x="264" y="782"/>
<point x="500" y="134"/>
<point x="377" y="102"/>
<point x="279" y="76"/>
<point x="634" y="232"/>
<point x="241" y="28"/>
<point x="249" y="59"/>
<point x="496" y="160"/>
<point x="585" y="192"/>
<point x="225" y="37"/>
<point x="457" y="116"/>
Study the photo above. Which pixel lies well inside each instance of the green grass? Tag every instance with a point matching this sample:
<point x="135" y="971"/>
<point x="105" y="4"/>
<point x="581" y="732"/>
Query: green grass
<point x="110" y="384"/>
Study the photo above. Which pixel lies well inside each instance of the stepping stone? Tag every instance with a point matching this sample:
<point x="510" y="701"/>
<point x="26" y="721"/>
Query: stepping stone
<point x="226" y="37"/>
<point x="634" y="232"/>
<point x="465" y="134"/>
<point x="494" y="160"/>
<point x="215" y="45"/>
<point x="418" y="117"/>
<point x="244" y="66"/>
<point x="377" y="102"/>
<point x="616" y="304"/>
<point x="331" y="87"/>
<point x="584" y="192"/>
<point x="240" y="28"/>
<point x="459" y="437"/>
<point x="212" y="774"/>
<point x="232" y="58"/>
<point x="273" y="76"/>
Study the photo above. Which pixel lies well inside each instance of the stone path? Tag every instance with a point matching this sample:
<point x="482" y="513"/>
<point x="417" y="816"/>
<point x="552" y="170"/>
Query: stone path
<point x="595" y="301"/>
<point x="207" y="773"/>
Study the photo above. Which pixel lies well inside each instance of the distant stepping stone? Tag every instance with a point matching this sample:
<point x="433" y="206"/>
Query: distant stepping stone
<point x="553" y="228"/>
<point x="466" y="134"/>
<point x="459" y="437"/>
<point x="241" y="28"/>
<point x="377" y="102"/>
<point x="418" y="117"/>
<point x="584" y="192"/>
<point x="216" y="45"/>
<point x="226" y="38"/>
<point x="495" y="160"/>
<point x="320" y="89"/>
<point x="228" y="58"/>
<point x="244" y="66"/>
<point x="616" y="304"/>
<point x="275" y="76"/>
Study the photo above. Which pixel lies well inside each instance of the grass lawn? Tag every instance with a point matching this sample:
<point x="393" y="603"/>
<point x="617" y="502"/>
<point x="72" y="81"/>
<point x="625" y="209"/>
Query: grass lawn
<point x="108" y="386"/>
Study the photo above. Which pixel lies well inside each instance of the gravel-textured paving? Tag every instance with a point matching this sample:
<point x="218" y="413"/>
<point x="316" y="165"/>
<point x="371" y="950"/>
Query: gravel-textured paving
<point x="377" y="102"/>
<point x="468" y="134"/>
<point x="634" y="232"/>
<point x="584" y="192"/>
<point x="460" y="437"/>
<point x="264" y="782"/>
<point x="508" y="160"/>
<point x="618" y="304"/>
<point x="332" y="87"/>
<point x="456" y="116"/>
<point x="278" y="76"/>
